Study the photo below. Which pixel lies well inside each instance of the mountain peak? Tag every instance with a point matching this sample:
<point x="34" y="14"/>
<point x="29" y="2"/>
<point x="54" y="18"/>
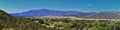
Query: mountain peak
<point x="43" y="9"/>
<point x="39" y="10"/>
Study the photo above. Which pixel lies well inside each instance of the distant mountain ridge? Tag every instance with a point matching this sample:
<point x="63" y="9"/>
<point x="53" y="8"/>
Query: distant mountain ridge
<point x="100" y="15"/>
<point x="47" y="12"/>
<point x="106" y="15"/>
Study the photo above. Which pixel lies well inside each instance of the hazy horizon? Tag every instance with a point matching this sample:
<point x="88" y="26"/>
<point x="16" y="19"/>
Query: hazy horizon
<point x="16" y="6"/>
<point x="59" y="10"/>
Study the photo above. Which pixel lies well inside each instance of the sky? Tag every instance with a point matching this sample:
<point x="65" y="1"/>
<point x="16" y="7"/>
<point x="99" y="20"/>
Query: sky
<point x="16" y="6"/>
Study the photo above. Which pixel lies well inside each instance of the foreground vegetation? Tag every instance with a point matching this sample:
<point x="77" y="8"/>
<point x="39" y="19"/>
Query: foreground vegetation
<point x="58" y="24"/>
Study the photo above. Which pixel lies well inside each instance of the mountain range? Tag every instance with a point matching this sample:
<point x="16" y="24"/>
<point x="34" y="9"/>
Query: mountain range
<point x="100" y="15"/>
<point x="47" y="12"/>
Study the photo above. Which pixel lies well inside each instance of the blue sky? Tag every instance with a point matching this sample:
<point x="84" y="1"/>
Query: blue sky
<point x="15" y="6"/>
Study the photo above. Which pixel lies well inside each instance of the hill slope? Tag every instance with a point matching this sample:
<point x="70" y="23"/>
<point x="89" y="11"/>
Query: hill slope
<point x="4" y="15"/>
